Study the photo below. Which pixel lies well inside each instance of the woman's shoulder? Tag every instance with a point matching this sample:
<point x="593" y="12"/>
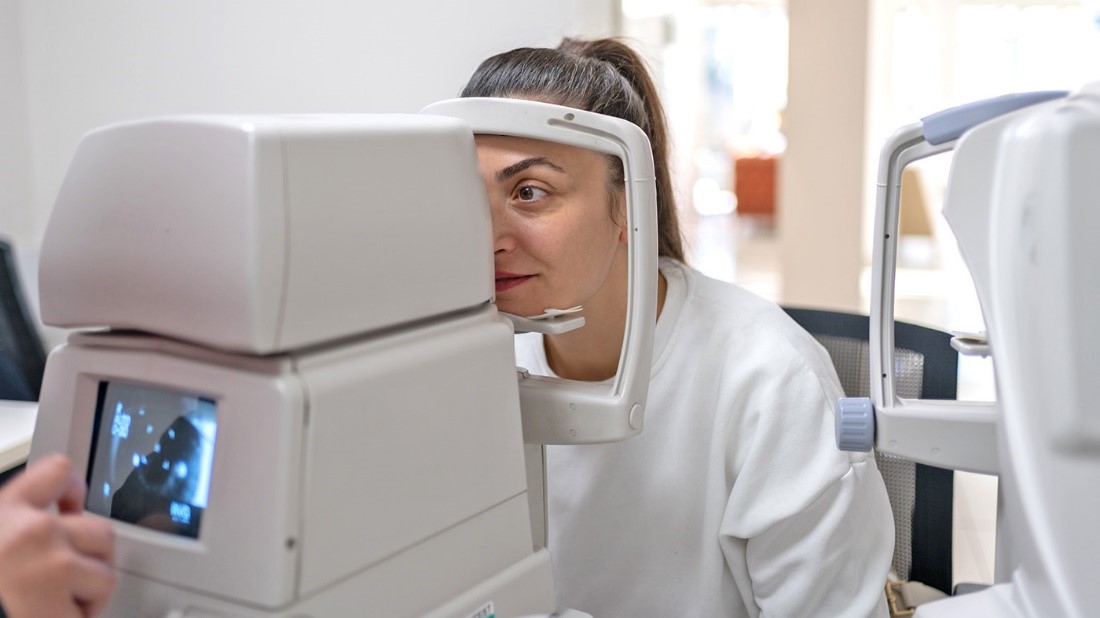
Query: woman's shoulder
<point x="722" y="318"/>
<point x="729" y="313"/>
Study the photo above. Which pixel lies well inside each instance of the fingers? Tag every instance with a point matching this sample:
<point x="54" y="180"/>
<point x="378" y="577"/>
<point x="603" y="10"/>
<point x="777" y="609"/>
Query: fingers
<point x="72" y="497"/>
<point x="53" y="606"/>
<point x="90" y="536"/>
<point x="43" y="574"/>
<point x="53" y="564"/>
<point x="91" y="584"/>
<point x="42" y="483"/>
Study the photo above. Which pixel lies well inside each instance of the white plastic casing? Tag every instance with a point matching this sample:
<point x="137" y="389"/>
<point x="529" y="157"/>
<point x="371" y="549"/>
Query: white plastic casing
<point x="331" y="278"/>
<point x="1021" y="201"/>
<point x="267" y="233"/>
<point x="340" y="485"/>
<point x="253" y="518"/>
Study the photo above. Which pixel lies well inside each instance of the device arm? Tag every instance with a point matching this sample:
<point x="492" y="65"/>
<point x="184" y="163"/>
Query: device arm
<point x="559" y="411"/>
<point x="945" y="434"/>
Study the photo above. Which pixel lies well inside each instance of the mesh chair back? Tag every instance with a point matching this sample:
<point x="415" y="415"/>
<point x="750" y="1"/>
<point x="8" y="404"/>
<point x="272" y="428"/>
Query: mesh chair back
<point x="921" y="497"/>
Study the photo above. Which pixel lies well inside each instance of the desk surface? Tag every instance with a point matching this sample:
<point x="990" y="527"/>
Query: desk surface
<point x="16" y="428"/>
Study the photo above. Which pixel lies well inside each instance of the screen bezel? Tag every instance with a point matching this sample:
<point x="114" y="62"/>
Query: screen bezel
<point x="256" y="490"/>
<point x="103" y="386"/>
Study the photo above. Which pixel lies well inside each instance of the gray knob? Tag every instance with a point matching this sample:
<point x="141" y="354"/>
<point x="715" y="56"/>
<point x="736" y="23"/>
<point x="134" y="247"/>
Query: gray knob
<point x="855" y="424"/>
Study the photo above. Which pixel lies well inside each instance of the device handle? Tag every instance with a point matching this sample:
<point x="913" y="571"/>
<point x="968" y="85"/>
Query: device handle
<point x="949" y="125"/>
<point x="555" y="410"/>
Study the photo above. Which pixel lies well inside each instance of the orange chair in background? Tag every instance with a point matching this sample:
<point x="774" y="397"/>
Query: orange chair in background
<point x="754" y="184"/>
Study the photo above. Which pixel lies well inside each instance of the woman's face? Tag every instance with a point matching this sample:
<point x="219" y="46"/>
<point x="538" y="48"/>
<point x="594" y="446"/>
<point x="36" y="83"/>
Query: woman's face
<point x="553" y="234"/>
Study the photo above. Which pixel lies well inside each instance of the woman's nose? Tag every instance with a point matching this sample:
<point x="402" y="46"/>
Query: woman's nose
<point x="504" y="239"/>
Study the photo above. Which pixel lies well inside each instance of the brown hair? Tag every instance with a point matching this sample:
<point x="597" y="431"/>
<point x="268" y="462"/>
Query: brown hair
<point x="604" y="76"/>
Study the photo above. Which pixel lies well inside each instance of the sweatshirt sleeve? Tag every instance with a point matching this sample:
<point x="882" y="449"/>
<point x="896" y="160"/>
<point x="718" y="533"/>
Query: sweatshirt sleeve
<point x="807" y="529"/>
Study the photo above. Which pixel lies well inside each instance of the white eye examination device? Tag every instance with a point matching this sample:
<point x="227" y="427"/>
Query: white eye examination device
<point x="1022" y="200"/>
<point x="292" y="394"/>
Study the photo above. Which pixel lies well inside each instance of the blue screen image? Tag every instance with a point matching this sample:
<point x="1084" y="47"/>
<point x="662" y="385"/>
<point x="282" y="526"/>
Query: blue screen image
<point x="152" y="456"/>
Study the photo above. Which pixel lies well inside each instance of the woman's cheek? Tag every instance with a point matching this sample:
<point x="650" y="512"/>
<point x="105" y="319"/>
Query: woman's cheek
<point x="544" y="239"/>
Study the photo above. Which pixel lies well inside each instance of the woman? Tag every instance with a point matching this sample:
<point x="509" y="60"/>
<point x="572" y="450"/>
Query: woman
<point x="734" y="500"/>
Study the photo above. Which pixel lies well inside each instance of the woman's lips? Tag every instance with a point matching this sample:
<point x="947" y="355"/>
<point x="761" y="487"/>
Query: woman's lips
<point x="507" y="281"/>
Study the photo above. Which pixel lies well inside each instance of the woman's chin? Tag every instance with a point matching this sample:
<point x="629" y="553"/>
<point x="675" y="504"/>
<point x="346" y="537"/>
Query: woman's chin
<point x="517" y="309"/>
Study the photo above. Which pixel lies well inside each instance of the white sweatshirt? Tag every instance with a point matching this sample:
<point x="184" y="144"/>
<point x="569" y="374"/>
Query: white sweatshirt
<point x="734" y="500"/>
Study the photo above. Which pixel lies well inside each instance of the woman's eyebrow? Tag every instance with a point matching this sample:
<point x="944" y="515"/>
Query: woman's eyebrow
<point x="519" y="166"/>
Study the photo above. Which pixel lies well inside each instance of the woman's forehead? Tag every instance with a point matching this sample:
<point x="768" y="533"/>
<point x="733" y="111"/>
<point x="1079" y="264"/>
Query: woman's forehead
<point x="506" y="145"/>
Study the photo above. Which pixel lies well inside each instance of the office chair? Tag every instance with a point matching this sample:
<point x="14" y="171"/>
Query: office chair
<point x="22" y="357"/>
<point x="921" y="496"/>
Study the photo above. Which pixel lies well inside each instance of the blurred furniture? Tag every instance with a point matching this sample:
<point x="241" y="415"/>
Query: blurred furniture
<point x="915" y="218"/>
<point x="16" y="428"/>
<point x="22" y="357"/>
<point x="754" y="184"/>
<point x="22" y="363"/>
<point x="921" y="496"/>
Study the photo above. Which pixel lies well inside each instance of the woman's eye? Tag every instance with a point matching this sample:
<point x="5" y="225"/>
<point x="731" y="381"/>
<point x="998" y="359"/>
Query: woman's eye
<point x="530" y="194"/>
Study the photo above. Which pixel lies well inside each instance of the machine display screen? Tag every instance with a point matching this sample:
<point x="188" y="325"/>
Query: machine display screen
<point x="151" y="456"/>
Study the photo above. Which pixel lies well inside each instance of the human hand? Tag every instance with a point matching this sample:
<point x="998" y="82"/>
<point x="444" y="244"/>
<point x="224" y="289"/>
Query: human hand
<point x="52" y="564"/>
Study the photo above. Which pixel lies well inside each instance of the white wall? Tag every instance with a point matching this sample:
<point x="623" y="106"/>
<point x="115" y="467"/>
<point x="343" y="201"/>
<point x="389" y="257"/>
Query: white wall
<point x="16" y="213"/>
<point x="824" y="170"/>
<point x="92" y="63"/>
<point x="68" y="67"/>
